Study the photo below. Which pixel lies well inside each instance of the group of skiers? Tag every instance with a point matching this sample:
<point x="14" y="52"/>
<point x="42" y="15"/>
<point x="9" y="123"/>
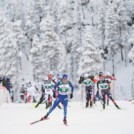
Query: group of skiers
<point x="56" y="90"/>
<point x="62" y="89"/>
<point x="29" y="92"/>
<point x="103" y="86"/>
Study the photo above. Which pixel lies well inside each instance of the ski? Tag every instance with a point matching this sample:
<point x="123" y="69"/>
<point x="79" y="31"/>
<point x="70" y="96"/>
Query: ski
<point x="38" y="121"/>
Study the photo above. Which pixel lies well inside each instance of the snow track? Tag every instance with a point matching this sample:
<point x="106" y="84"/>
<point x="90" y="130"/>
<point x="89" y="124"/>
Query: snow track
<point x="16" y="118"/>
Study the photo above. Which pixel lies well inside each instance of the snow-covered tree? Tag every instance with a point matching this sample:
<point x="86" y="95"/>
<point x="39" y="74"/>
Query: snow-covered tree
<point x="31" y="20"/>
<point x="90" y="57"/>
<point x="115" y="27"/>
<point x="37" y="59"/>
<point x="111" y="31"/>
<point x="76" y="43"/>
<point x="13" y="11"/>
<point x="9" y="51"/>
<point x="40" y="8"/>
<point x="20" y="38"/>
<point x="121" y="11"/>
<point x="53" y="50"/>
<point x="131" y="54"/>
<point x="131" y="44"/>
<point x="10" y="55"/>
<point x="101" y="21"/>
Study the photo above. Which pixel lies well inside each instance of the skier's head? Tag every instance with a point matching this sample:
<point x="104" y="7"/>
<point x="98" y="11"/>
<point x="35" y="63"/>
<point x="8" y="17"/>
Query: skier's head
<point x="51" y="72"/>
<point x="100" y="74"/>
<point x="45" y="78"/>
<point x="64" y="76"/>
<point x="50" y="76"/>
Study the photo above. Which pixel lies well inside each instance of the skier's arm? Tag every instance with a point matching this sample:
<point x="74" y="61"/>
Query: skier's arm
<point x="112" y="78"/>
<point x="56" y="85"/>
<point x="54" y="81"/>
<point x="72" y="87"/>
<point x="98" y="85"/>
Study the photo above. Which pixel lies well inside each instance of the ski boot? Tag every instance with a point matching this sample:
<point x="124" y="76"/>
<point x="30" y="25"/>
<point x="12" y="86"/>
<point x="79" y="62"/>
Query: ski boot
<point x="47" y="105"/>
<point x="45" y="117"/>
<point x="91" y="104"/>
<point x="87" y="104"/>
<point x="117" y="106"/>
<point x="103" y="106"/>
<point x="36" y="105"/>
<point x="65" y="121"/>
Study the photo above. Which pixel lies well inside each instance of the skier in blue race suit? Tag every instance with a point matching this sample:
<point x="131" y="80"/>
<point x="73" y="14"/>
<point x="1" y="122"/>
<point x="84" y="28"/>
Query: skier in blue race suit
<point x="63" y="87"/>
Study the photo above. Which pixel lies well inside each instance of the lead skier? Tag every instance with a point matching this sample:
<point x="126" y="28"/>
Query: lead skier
<point x="63" y="87"/>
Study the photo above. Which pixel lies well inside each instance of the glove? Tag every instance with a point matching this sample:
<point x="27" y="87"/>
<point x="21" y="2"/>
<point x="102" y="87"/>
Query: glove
<point x="54" y="95"/>
<point x="71" y="95"/>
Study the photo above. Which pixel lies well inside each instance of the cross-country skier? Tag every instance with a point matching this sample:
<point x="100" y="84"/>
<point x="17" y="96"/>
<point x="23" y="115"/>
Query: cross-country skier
<point x="110" y="78"/>
<point x="47" y="92"/>
<point x="89" y="86"/>
<point x="103" y="87"/>
<point x="97" y="95"/>
<point x="63" y="88"/>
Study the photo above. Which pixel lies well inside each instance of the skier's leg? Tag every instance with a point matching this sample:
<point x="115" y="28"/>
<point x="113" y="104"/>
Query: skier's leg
<point x="87" y="100"/>
<point x="56" y="103"/>
<point x="107" y="100"/>
<point x="111" y="98"/>
<point x="34" y="100"/>
<point x="65" y="103"/>
<point x="94" y="99"/>
<point x="103" y="98"/>
<point x="49" y="100"/>
<point x="46" y="100"/>
<point x="87" y="97"/>
<point x="40" y="101"/>
<point x="90" y="98"/>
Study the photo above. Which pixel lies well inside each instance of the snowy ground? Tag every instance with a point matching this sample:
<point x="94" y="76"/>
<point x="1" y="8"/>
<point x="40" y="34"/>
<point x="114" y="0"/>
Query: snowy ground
<point x="15" y="119"/>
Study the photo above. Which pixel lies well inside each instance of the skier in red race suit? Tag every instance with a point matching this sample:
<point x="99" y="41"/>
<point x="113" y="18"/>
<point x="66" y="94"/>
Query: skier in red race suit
<point x="103" y="88"/>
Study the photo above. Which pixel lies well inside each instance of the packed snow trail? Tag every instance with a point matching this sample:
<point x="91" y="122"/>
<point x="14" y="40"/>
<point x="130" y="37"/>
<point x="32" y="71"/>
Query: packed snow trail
<point x="16" y="119"/>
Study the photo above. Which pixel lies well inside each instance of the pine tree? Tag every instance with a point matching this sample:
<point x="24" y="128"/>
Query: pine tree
<point x="9" y="50"/>
<point x="111" y="31"/>
<point x="91" y="58"/>
<point x="53" y="50"/>
<point x="37" y="59"/>
<point x="101" y="21"/>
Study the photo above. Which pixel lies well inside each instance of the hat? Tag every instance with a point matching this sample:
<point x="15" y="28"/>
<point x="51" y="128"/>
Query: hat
<point x="64" y="76"/>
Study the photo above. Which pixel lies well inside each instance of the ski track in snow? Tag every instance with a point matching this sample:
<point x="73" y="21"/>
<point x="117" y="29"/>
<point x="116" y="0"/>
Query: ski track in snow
<point x="16" y="119"/>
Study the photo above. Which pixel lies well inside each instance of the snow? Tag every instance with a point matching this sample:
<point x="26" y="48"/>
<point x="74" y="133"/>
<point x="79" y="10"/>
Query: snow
<point x="16" y="118"/>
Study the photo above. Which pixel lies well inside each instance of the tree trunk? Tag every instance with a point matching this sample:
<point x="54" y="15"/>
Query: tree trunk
<point x="113" y="66"/>
<point x="122" y="53"/>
